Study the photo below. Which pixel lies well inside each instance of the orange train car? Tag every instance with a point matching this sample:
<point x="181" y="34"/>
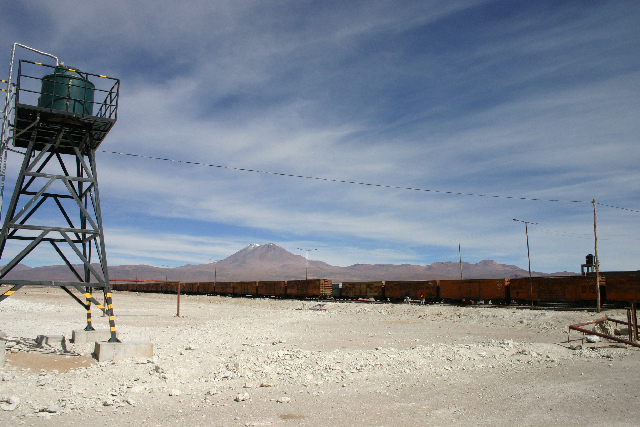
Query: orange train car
<point x="622" y="288"/>
<point x="312" y="288"/>
<point x="554" y="289"/>
<point x="399" y="289"/>
<point x="170" y="288"/>
<point x="224" y="288"/>
<point x="191" y="288"/>
<point x="272" y="288"/>
<point x="475" y="289"/>
<point x="245" y="288"/>
<point x="357" y="290"/>
<point x="207" y="288"/>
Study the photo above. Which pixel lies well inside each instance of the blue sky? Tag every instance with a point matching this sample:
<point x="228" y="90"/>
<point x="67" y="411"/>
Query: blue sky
<point x="502" y="98"/>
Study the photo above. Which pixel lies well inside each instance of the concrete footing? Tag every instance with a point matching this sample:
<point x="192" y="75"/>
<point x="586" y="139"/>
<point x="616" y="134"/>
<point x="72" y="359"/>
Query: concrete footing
<point x="81" y="336"/>
<point x="52" y="341"/>
<point x="122" y="350"/>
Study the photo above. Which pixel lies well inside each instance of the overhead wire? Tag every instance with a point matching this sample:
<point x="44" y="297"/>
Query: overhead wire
<point x="189" y="162"/>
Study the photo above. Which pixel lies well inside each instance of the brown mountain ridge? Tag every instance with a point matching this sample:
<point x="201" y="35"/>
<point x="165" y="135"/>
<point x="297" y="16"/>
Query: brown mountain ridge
<point x="271" y="262"/>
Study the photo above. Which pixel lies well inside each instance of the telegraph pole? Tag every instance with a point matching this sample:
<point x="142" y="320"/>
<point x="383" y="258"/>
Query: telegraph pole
<point x="460" y="253"/>
<point x="595" y="235"/>
<point x="526" y="231"/>
<point x="306" y="256"/>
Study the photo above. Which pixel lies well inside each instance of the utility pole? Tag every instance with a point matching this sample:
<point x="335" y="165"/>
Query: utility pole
<point x="595" y="235"/>
<point x="306" y="256"/>
<point x="526" y="231"/>
<point x="460" y="253"/>
<point x="215" y="271"/>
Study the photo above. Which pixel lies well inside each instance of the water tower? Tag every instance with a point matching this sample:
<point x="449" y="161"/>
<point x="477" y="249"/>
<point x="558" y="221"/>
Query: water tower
<point x="56" y="117"/>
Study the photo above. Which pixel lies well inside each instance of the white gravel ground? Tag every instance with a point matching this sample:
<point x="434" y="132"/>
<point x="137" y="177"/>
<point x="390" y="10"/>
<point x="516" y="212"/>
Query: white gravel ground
<point x="266" y="362"/>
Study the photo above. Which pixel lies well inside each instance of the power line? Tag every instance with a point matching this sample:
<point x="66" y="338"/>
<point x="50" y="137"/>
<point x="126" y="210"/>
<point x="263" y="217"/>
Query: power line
<point x="359" y="183"/>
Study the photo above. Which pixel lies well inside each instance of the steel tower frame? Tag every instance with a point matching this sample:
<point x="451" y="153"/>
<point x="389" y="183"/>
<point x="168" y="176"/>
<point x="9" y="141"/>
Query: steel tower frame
<point x="56" y="202"/>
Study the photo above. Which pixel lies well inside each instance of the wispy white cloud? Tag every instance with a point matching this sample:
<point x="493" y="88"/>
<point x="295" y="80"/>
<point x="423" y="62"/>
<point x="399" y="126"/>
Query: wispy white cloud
<point x="482" y="97"/>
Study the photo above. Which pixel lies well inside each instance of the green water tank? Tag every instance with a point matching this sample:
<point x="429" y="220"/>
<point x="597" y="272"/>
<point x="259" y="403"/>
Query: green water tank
<point x="67" y="90"/>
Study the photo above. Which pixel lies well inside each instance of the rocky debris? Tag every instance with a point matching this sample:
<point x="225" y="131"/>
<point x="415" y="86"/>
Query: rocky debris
<point x="9" y="403"/>
<point x="241" y="397"/>
<point x="51" y="409"/>
<point x="213" y="361"/>
<point x="605" y="327"/>
<point x="39" y="345"/>
<point x="592" y="338"/>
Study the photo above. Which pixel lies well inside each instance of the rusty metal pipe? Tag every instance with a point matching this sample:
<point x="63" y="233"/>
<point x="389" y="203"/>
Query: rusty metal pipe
<point x="578" y="327"/>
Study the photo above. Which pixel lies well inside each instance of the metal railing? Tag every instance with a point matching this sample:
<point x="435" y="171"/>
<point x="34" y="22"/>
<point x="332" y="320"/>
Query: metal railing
<point x="31" y="76"/>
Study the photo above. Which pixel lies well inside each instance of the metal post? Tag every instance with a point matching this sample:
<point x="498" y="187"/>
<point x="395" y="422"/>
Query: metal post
<point x="178" y="313"/>
<point x="306" y="257"/>
<point x="526" y="231"/>
<point x="634" y="318"/>
<point x="460" y="253"/>
<point x="595" y="235"/>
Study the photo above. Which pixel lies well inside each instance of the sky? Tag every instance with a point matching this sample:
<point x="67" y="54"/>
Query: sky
<point x="503" y="101"/>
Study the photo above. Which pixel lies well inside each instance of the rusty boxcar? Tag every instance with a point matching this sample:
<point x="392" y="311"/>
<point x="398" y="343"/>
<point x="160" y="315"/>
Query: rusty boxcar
<point x="496" y="290"/>
<point x="399" y="289"/>
<point x="623" y="288"/>
<point x="224" y="288"/>
<point x="554" y="289"/>
<point x="357" y="290"/>
<point x="271" y="288"/>
<point x="245" y="288"/>
<point x="312" y="288"/>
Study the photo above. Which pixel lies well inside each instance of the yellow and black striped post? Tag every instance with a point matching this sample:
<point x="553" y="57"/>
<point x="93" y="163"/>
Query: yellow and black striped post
<point x="10" y="292"/>
<point x="109" y="311"/>
<point x="87" y="295"/>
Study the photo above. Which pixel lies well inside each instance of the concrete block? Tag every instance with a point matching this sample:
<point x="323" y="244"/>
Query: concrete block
<point x="121" y="350"/>
<point x="52" y="341"/>
<point x="82" y="337"/>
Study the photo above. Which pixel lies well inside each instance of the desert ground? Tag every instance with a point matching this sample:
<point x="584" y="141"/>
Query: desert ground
<point x="266" y="362"/>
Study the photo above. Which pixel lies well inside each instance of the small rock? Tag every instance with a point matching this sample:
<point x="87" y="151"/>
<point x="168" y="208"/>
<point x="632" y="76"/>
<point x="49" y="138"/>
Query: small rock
<point x="175" y="392"/>
<point x="130" y="401"/>
<point x="213" y="392"/>
<point x="284" y="399"/>
<point x="242" y="397"/>
<point x="9" y="403"/>
<point x="592" y="338"/>
<point x="52" y="409"/>
<point x="137" y="389"/>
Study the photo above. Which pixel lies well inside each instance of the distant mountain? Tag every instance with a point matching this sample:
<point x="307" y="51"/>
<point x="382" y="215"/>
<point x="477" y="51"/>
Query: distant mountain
<point x="271" y="262"/>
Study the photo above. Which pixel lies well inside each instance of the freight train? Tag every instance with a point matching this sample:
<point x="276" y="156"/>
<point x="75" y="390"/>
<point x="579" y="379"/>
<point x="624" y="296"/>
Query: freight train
<point x="578" y="290"/>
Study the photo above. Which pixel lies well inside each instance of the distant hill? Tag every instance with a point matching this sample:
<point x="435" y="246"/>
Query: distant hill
<point x="271" y="262"/>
